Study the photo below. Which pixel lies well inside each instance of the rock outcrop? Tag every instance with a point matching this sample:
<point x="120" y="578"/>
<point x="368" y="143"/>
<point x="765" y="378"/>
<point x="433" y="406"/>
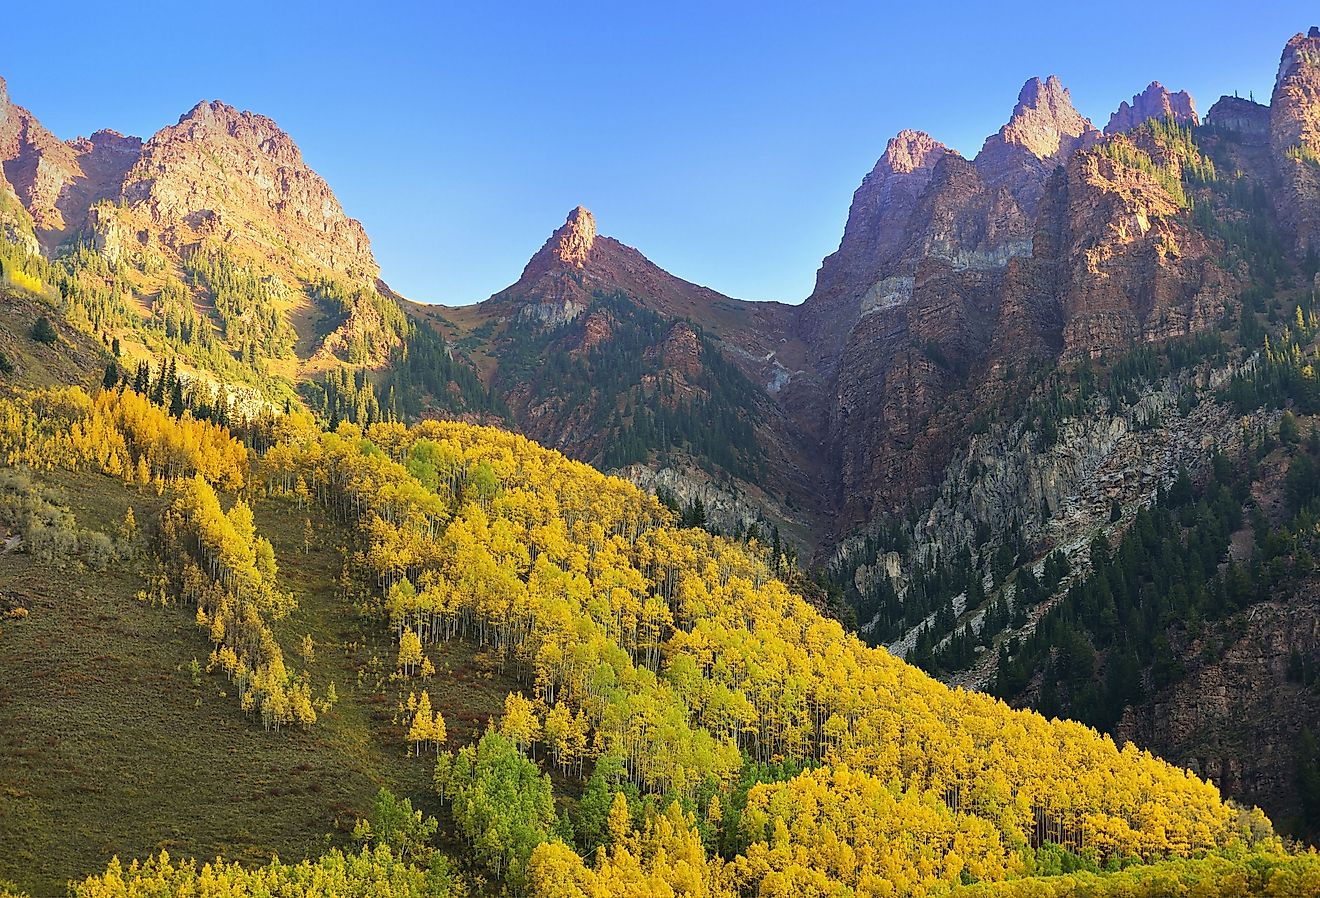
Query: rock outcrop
<point x="1140" y="270"/>
<point x="1236" y="715"/>
<point x="1155" y="102"/>
<point x="1245" y="119"/>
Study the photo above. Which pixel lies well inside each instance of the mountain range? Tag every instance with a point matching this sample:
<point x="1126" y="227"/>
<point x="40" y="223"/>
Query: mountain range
<point x="1008" y="358"/>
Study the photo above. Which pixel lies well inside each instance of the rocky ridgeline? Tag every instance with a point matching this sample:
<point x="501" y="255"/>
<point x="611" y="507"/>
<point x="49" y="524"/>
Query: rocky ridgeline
<point x="218" y="173"/>
<point x="1155" y="102"/>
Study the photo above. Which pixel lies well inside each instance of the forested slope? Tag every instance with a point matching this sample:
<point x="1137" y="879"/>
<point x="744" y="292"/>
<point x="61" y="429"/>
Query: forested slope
<point x="674" y="713"/>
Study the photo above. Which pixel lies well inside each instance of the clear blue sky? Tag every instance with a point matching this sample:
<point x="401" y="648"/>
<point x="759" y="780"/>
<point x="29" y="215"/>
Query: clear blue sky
<point x="724" y="140"/>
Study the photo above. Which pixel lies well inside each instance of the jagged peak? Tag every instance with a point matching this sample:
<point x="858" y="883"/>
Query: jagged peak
<point x="109" y="140"/>
<point x="209" y="109"/>
<point x="216" y="116"/>
<point x="1155" y="102"/>
<point x="1050" y="90"/>
<point x="573" y="241"/>
<point x="1044" y="121"/>
<point x="910" y="150"/>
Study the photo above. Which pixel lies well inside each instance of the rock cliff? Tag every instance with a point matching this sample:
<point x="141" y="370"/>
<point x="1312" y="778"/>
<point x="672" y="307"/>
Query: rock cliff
<point x="1295" y="137"/>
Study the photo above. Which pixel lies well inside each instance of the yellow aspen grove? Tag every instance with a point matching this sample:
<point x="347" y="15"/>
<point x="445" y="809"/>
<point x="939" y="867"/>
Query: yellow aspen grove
<point x="661" y="662"/>
<point x="679" y="656"/>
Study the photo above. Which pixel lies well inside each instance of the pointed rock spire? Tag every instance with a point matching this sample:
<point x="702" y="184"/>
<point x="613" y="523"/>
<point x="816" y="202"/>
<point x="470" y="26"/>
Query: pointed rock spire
<point x="1044" y="131"/>
<point x="574" y="239"/>
<point x="909" y="151"/>
<point x="1044" y="121"/>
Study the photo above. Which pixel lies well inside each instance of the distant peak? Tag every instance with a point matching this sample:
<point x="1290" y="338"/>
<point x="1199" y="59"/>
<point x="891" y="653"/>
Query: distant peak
<point x="206" y="109"/>
<point x="1051" y="99"/>
<point x="1302" y="52"/>
<point x="1155" y="102"/>
<point x="573" y="241"/>
<point x="910" y="150"/>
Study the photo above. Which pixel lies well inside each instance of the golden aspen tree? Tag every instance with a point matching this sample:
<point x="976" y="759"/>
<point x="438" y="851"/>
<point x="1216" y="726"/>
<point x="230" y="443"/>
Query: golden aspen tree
<point x="423" y="724"/>
<point x="519" y="722"/>
<point x="128" y="528"/>
<point x="410" y="652"/>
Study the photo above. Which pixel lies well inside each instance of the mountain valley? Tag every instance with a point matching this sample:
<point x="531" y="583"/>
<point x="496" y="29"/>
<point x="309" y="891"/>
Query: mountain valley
<point x="990" y="568"/>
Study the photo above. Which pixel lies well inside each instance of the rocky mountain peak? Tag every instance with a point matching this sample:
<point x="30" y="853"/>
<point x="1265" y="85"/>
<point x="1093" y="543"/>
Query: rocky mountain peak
<point x="574" y="239"/>
<point x="878" y="228"/>
<point x="1155" y="102"/>
<point x="1295" y="106"/>
<point x="911" y="150"/>
<point x="57" y="181"/>
<point x="1044" y="130"/>
<point x="236" y="176"/>
<point x="1044" y="121"/>
<point x="215" y="121"/>
<point x="1295" y="135"/>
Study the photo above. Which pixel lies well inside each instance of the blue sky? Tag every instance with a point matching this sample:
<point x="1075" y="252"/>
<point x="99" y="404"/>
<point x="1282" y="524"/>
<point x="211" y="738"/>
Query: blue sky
<point x="724" y="140"/>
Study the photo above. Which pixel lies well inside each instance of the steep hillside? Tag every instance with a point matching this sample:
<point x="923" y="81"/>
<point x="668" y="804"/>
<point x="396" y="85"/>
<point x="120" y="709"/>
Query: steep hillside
<point x="598" y="352"/>
<point x="701" y="720"/>
<point x="214" y="249"/>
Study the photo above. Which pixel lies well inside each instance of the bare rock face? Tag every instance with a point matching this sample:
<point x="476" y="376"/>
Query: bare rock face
<point x="1138" y="270"/>
<point x="236" y="177"/>
<point x="57" y="182"/>
<point x="1295" y="106"/>
<point x="576" y="237"/>
<point x="1295" y="136"/>
<point x="922" y="337"/>
<point x="1237" y="715"/>
<point x="1042" y="133"/>
<point x="1155" y="102"/>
